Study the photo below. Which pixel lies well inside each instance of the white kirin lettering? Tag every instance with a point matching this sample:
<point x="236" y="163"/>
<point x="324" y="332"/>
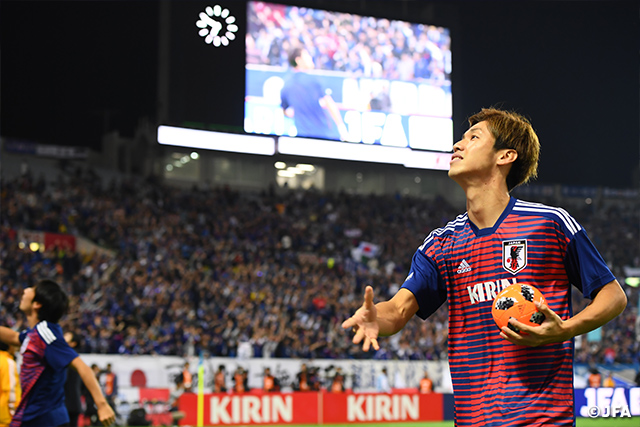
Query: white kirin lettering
<point x="381" y="407"/>
<point x="487" y="291"/>
<point x="251" y="409"/>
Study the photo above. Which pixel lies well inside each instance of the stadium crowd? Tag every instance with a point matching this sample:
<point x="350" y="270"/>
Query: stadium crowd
<point x="250" y="275"/>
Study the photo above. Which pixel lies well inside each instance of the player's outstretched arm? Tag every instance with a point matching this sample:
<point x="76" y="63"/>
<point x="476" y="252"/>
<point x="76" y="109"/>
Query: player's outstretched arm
<point x="385" y="318"/>
<point x="331" y="106"/>
<point x="608" y="303"/>
<point x="9" y="336"/>
<point x="105" y="413"/>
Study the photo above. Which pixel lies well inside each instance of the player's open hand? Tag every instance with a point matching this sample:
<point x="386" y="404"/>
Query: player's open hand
<point x="549" y="331"/>
<point x="106" y="415"/>
<point x="365" y="323"/>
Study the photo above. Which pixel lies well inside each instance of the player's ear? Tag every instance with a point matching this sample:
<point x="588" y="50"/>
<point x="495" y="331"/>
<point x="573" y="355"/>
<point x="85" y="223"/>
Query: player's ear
<point x="507" y="156"/>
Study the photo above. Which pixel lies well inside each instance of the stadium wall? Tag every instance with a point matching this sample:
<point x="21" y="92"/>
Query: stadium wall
<point x="317" y="408"/>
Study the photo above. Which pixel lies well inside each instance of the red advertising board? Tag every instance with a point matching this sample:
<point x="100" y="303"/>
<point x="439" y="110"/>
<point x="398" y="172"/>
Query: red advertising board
<point x="244" y="409"/>
<point x="49" y="240"/>
<point x="61" y="241"/>
<point x="368" y="407"/>
<point x="311" y="408"/>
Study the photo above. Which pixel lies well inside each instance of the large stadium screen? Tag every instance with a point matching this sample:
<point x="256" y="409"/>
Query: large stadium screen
<point x="360" y="88"/>
<point x="338" y="76"/>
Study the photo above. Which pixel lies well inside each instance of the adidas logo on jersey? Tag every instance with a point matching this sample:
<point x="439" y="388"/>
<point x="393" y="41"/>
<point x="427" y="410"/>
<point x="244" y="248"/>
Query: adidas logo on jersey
<point x="464" y="267"/>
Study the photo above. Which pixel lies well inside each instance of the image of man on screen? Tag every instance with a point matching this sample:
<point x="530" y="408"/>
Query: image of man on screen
<point x="313" y="110"/>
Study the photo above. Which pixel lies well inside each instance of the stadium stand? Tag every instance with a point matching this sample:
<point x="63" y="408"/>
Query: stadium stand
<point x="251" y="274"/>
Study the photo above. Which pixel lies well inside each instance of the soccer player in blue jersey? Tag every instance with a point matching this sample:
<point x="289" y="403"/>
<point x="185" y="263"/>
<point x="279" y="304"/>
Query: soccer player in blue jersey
<point x="501" y="378"/>
<point x="303" y="98"/>
<point x="45" y="357"/>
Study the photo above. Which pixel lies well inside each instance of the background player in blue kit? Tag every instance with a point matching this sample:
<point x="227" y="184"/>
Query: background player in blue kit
<point x="526" y="380"/>
<point x="45" y="357"/>
<point x="303" y="98"/>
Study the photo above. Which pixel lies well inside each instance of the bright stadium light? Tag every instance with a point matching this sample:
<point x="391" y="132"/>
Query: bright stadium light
<point x="364" y="153"/>
<point x="210" y="140"/>
<point x="305" y="167"/>
<point x="339" y="150"/>
<point x="286" y="174"/>
<point x="280" y="165"/>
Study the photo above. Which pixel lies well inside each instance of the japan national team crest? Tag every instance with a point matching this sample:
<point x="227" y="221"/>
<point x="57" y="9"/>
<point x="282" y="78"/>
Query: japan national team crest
<point x="514" y="255"/>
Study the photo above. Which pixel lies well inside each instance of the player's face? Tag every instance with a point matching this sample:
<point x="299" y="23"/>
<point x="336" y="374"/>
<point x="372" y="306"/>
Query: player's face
<point x="473" y="155"/>
<point x="26" y="302"/>
<point x="306" y="60"/>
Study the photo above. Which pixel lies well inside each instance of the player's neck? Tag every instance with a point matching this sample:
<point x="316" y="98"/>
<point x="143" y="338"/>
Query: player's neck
<point x="485" y="205"/>
<point x="32" y="319"/>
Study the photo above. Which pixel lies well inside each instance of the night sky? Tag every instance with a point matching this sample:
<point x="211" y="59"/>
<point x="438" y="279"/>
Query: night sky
<point x="72" y="70"/>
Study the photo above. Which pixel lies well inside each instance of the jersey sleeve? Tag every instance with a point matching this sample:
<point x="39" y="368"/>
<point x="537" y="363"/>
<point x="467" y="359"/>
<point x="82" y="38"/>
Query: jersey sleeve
<point x="23" y="335"/>
<point x="585" y="267"/>
<point x="426" y="284"/>
<point x="58" y="354"/>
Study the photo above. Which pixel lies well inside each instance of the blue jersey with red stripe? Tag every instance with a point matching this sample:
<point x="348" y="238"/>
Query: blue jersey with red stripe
<point x="45" y="357"/>
<point x="497" y="383"/>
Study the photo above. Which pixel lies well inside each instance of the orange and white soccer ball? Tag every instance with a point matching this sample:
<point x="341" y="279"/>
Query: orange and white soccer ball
<point x="517" y="301"/>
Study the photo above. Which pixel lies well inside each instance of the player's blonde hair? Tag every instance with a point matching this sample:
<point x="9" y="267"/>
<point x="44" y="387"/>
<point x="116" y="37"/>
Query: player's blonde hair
<point x="511" y="130"/>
